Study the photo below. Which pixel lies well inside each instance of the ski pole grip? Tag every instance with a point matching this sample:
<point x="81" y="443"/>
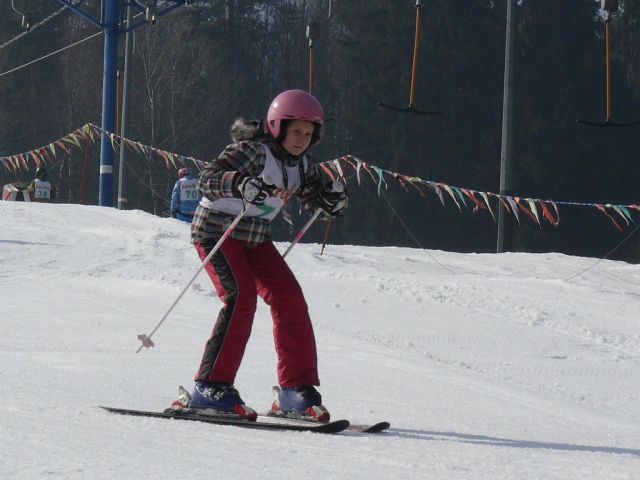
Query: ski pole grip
<point x="337" y="186"/>
<point x="267" y="179"/>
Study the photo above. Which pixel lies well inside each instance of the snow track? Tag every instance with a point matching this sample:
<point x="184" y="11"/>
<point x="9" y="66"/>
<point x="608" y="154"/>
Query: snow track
<point x="488" y="366"/>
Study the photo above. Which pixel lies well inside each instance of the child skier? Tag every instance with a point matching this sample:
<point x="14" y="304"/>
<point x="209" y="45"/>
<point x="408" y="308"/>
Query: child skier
<point x="260" y="171"/>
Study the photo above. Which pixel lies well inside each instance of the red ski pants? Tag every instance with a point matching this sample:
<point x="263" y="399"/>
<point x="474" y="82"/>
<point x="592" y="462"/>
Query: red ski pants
<point x="240" y="274"/>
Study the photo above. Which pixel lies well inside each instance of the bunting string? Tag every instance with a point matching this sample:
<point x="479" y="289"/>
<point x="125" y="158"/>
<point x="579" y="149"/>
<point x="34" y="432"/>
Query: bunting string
<point x="48" y="154"/>
<point x="476" y="201"/>
<point x="535" y="209"/>
<point x="170" y="159"/>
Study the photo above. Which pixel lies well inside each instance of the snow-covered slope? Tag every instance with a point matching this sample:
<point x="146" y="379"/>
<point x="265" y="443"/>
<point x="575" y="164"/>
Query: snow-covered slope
<point x="487" y="366"/>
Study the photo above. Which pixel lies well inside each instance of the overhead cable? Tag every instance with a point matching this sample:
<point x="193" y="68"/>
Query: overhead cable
<point x="50" y="54"/>
<point x="32" y="28"/>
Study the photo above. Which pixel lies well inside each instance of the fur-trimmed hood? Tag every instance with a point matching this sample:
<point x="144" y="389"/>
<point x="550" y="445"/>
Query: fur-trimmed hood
<point x="253" y="130"/>
<point x="242" y="130"/>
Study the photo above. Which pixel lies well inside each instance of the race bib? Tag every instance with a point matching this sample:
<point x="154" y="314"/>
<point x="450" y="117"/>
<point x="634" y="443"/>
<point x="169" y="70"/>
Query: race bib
<point x="43" y="192"/>
<point x="189" y="191"/>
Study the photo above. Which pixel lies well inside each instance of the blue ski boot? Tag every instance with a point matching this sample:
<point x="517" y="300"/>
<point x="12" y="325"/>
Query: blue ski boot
<point x="302" y="403"/>
<point x="219" y="399"/>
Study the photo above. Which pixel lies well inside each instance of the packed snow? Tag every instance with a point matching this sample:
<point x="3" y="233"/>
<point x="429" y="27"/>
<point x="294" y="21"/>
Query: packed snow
<point x="512" y="366"/>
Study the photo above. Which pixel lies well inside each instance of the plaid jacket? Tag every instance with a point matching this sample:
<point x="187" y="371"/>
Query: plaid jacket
<point x="218" y="178"/>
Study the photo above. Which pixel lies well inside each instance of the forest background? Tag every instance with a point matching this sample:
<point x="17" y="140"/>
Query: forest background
<point x="203" y="65"/>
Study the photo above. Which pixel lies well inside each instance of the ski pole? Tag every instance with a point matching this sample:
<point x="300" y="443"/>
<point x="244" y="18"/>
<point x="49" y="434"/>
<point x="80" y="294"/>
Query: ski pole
<point x="304" y="229"/>
<point x="327" y="234"/>
<point x="336" y="186"/>
<point x="146" y="339"/>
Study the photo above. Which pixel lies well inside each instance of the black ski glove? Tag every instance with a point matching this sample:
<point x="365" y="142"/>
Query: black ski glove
<point x="253" y="190"/>
<point x="333" y="199"/>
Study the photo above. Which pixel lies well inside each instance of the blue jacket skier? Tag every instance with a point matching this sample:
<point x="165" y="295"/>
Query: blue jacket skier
<point x="185" y="196"/>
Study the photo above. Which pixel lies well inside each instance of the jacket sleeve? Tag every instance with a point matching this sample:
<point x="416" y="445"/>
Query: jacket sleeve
<point x="313" y="186"/>
<point x="175" y="198"/>
<point x="219" y="178"/>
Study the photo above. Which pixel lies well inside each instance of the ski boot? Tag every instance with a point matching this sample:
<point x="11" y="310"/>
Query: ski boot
<point x="217" y="399"/>
<point x="300" y="403"/>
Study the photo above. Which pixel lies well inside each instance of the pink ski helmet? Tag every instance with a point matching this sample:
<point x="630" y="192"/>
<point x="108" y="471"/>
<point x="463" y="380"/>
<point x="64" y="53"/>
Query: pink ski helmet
<point x="295" y="105"/>
<point x="183" y="172"/>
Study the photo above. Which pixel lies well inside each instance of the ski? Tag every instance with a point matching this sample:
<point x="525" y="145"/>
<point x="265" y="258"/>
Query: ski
<point x="361" y="428"/>
<point x="270" y="423"/>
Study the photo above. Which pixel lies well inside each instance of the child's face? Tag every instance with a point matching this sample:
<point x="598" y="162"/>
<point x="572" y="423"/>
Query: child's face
<point x="298" y="138"/>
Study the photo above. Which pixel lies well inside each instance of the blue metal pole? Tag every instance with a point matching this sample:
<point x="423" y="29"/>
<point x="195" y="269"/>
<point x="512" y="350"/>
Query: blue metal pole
<point x="109" y="94"/>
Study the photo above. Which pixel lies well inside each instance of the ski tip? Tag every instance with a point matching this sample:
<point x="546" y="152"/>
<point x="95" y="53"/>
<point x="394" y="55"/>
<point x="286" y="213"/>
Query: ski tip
<point x="340" y="423"/>
<point x="335" y="426"/>
<point x="123" y="411"/>
<point x="373" y="428"/>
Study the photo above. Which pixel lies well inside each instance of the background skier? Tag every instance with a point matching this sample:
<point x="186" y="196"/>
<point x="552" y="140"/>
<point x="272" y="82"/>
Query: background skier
<point x="185" y="196"/>
<point x="41" y="186"/>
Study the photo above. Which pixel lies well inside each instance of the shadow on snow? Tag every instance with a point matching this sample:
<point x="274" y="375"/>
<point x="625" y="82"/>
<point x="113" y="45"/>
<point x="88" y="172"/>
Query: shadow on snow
<point x="506" y="442"/>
